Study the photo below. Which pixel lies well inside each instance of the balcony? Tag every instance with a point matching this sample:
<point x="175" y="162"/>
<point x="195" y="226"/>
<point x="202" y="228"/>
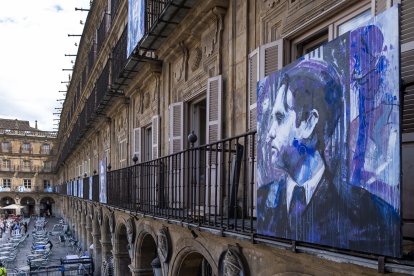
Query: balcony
<point x="36" y="133"/>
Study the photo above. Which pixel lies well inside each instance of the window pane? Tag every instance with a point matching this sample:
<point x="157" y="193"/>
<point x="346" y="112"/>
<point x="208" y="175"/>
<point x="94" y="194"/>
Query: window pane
<point x="354" y="22"/>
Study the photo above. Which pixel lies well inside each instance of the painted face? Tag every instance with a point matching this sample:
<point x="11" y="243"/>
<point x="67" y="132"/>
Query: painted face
<point x="283" y="128"/>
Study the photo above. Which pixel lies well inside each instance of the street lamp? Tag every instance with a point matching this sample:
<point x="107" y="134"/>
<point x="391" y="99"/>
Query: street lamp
<point x="135" y="159"/>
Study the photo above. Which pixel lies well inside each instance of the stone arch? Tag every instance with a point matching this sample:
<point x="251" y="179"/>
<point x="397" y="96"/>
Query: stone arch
<point x="28" y="204"/>
<point x="145" y="248"/>
<point x="46" y="206"/>
<point x="122" y="257"/>
<point x="191" y="258"/>
<point x="7" y="200"/>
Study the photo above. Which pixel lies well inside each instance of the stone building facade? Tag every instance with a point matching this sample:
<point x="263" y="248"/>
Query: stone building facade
<point x="128" y="118"/>
<point x="26" y="169"/>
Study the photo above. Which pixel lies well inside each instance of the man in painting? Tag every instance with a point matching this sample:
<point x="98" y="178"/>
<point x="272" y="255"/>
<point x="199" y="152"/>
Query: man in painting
<point x="306" y="204"/>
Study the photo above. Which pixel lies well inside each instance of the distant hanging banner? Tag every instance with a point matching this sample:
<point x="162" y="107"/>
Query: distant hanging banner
<point x="102" y="181"/>
<point x="136" y="24"/>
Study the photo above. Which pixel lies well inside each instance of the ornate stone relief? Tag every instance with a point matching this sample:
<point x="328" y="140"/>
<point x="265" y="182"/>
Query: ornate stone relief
<point x="164" y="244"/>
<point x="112" y="222"/>
<point x="130" y="229"/>
<point x="181" y="64"/>
<point x="99" y="214"/>
<point x="106" y="138"/>
<point x="231" y="263"/>
<point x="195" y="59"/>
<point x="271" y="3"/>
<point x="209" y="42"/>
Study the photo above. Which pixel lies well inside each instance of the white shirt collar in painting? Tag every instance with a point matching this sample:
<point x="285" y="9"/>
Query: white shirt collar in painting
<point x="310" y="186"/>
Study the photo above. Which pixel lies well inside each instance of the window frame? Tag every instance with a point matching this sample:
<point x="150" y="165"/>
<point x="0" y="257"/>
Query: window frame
<point x="27" y="183"/>
<point x="330" y="26"/>
<point x="4" y="185"/>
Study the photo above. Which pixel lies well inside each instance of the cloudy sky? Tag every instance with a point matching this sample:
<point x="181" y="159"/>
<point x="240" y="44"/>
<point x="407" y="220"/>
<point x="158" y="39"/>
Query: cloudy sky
<point x="34" y="41"/>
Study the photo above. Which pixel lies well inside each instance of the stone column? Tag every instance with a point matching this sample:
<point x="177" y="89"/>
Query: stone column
<point x="97" y="250"/>
<point x="88" y="232"/>
<point x="121" y="263"/>
<point x="82" y="232"/>
<point x="37" y="208"/>
<point x="106" y="246"/>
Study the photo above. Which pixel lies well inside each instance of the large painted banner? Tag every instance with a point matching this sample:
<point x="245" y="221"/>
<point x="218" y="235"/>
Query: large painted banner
<point x="329" y="143"/>
<point x="136" y="23"/>
<point x="102" y="181"/>
<point x="90" y="187"/>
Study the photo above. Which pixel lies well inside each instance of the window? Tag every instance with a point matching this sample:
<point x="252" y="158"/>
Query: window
<point x="27" y="183"/>
<point x="6" y="183"/>
<point x="26" y="165"/>
<point x="5" y="147"/>
<point x="47" y="166"/>
<point x="6" y="164"/>
<point x="310" y="40"/>
<point x="147" y="143"/>
<point x="352" y="23"/>
<point x="46" y="185"/>
<point x="45" y="149"/>
<point x="122" y="152"/>
<point x="26" y="147"/>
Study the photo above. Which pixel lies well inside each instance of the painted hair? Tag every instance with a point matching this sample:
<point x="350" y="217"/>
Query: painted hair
<point x="315" y="85"/>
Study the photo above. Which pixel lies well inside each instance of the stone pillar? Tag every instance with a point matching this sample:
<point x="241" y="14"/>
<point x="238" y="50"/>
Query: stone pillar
<point x="141" y="272"/>
<point x="121" y="263"/>
<point x="97" y="250"/>
<point x="89" y="238"/>
<point x="106" y="246"/>
<point x="37" y="209"/>
<point x="82" y="232"/>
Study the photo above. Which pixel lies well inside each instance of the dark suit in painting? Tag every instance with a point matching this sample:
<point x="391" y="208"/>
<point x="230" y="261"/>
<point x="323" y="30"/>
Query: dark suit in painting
<point x="351" y="218"/>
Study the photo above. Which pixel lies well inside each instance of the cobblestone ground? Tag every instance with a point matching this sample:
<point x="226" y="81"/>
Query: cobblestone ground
<point x="58" y="251"/>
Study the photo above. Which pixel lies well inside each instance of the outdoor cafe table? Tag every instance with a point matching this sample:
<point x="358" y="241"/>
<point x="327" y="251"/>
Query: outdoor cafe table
<point x="6" y="244"/>
<point x="2" y="258"/>
<point x="7" y="248"/>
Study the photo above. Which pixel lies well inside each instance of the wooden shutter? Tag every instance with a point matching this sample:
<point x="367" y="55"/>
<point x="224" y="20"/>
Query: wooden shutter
<point x="137" y="143"/>
<point x="252" y="88"/>
<point x="214" y="134"/>
<point x="155" y="136"/>
<point x="407" y="62"/>
<point x="407" y="75"/>
<point x="271" y="58"/>
<point x="176" y="127"/>
<point x="214" y="109"/>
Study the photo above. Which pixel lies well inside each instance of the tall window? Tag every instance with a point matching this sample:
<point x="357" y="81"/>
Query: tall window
<point x="147" y="143"/>
<point x="27" y="183"/>
<point x="26" y="165"/>
<point x="6" y="183"/>
<point x="45" y="149"/>
<point x="6" y="164"/>
<point x="47" y="166"/>
<point x="46" y="185"/>
<point x="5" y="147"/>
<point x="26" y="147"/>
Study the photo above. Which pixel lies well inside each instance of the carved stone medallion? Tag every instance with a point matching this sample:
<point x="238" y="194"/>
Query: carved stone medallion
<point x="164" y="244"/>
<point x="231" y="263"/>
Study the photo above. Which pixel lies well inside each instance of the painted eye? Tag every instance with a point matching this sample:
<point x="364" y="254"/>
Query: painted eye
<point x="279" y="117"/>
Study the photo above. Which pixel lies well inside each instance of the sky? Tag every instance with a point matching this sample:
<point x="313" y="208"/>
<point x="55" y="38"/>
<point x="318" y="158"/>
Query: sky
<point x="34" y="41"/>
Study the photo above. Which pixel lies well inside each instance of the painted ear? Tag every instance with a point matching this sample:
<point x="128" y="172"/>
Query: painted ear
<point x="307" y="127"/>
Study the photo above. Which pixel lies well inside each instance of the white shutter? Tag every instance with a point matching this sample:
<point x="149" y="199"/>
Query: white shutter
<point x="176" y="165"/>
<point x="155" y="136"/>
<point x="214" y="134"/>
<point x="137" y="143"/>
<point x="214" y="109"/>
<point x="176" y="127"/>
<point x="252" y="88"/>
<point x="271" y="58"/>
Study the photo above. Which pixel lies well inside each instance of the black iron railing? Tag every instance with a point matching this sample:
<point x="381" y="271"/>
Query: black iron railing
<point x="211" y="185"/>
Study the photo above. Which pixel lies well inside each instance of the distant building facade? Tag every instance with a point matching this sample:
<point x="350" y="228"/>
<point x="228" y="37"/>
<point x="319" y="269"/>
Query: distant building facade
<point x="26" y="168"/>
<point x="156" y="160"/>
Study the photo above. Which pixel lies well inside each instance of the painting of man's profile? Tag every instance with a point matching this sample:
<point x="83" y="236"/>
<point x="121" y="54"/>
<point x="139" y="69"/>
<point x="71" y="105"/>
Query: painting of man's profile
<point x="328" y="143"/>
